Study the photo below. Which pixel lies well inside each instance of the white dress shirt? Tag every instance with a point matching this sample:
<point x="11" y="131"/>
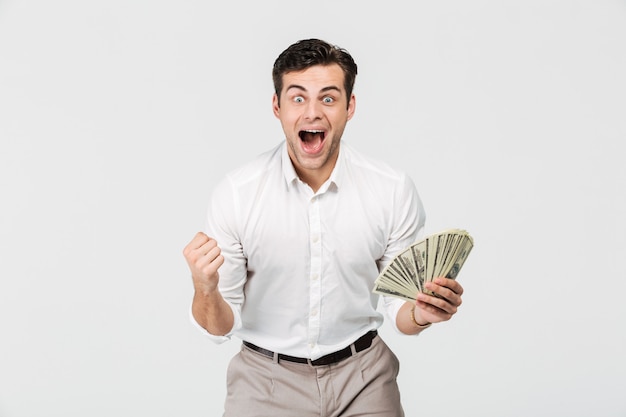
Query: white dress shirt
<point x="300" y="266"/>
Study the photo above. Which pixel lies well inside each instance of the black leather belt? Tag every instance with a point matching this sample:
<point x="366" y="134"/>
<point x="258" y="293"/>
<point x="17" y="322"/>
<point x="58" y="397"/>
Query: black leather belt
<point x="362" y="343"/>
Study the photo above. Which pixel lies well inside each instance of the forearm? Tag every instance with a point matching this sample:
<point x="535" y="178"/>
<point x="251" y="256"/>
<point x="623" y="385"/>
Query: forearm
<point x="212" y="312"/>
<point x="410" y="322"/>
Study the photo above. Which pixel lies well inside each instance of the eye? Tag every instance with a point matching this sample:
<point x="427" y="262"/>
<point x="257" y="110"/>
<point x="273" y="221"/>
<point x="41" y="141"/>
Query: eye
<point x="298" y="99"/>
<point x="328" y="100"/>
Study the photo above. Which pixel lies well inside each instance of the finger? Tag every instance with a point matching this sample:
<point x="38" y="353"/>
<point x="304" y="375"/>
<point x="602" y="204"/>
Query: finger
<point x="446" y="288"/>
<point x="432" y="313"/>
<point x="211" y="266"/>
<point x="445" y="294"/>
<point x="432" y="289"/>
<point x="439" y="303"/>
<point x="209" y="251"/>
<point x="452" y="284"/>
<point x="198" y="240"/>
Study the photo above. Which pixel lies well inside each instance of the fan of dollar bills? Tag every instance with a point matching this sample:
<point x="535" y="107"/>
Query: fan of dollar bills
<point x="438" y="255"/>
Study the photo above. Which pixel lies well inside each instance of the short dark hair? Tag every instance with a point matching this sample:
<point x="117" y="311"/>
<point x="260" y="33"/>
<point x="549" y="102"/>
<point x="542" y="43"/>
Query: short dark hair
<point x="309" y="52"/>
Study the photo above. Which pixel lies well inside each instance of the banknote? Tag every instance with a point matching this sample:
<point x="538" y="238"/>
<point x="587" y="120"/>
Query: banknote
<point x="441" y="254"/>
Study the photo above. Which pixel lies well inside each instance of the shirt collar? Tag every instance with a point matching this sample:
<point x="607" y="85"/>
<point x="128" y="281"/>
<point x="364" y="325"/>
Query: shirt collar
<point x="288" y="170"/>
<point x="336" y="175"/>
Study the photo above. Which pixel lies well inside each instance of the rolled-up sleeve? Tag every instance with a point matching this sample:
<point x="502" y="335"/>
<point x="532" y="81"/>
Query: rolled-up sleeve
<point x="221" y="224"/>
<point x="215" y="338"/>
<point x="408" y="220"/>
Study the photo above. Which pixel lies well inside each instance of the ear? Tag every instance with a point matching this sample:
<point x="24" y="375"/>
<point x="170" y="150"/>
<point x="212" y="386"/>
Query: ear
<point x="275" y="106"/>
<point x="351" y="106"/>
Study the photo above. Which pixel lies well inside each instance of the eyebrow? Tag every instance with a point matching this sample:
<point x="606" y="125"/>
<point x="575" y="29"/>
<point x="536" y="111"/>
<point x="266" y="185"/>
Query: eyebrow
<point x="323" y="90"/>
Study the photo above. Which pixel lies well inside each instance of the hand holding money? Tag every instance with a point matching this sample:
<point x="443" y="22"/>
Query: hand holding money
<point x="416" y="269"/>
<point x="443" y="305"/>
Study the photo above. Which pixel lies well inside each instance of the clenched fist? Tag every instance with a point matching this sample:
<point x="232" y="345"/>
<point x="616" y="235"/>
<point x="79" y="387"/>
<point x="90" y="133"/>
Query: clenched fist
<point x="204" y="259"/>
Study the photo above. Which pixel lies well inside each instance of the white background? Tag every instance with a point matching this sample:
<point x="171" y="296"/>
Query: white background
<point x="117" y="118"/>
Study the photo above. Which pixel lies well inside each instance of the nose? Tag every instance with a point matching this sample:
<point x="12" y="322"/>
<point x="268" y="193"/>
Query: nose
<point x="313" y="110"/>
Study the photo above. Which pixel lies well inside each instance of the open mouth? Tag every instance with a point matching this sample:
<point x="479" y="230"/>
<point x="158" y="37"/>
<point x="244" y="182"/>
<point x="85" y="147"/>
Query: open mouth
<point x="312" y="140"/>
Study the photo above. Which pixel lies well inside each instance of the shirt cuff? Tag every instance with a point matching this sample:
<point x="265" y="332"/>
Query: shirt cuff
<point x="215" y="338"/>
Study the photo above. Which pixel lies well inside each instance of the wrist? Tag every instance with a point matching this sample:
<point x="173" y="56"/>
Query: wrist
<point x="418" y="325"/>
<point x="204" y="288"/>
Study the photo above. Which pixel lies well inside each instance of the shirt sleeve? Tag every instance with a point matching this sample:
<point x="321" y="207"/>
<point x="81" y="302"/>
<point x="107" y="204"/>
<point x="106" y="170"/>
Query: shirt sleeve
<point x="222" y="225"/>
<point x="215" y="338"/>
<point x="407" y="227"/>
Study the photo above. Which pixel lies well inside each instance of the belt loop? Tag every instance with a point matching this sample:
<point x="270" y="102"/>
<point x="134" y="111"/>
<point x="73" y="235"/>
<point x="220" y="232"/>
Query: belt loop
<point x="353" y="349"/>
<point x="275" y="359"/>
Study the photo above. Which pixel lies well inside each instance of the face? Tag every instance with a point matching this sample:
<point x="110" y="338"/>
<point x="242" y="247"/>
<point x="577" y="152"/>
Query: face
<point x="313" y="112"/>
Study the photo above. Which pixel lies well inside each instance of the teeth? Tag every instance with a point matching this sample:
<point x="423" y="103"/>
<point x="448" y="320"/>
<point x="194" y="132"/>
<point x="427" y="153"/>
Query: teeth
<point x="314" y="131"/>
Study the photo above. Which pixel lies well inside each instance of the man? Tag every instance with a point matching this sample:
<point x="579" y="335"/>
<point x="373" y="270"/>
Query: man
<point x="303" y="231"/>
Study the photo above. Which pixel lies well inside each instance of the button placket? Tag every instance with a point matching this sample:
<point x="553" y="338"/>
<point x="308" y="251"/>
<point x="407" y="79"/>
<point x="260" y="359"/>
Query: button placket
<point x="315" y="243"/>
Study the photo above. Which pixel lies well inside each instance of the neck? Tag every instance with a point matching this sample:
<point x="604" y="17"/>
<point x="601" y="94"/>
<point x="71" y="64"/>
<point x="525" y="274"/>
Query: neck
<point x="313" y="179"/>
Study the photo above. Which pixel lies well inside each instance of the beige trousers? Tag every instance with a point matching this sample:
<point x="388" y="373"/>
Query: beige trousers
<point x="362" y="385"/>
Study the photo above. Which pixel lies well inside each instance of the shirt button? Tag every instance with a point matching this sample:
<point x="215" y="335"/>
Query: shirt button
<point x="314" y="313"/>
<point x="314" y="277"/>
